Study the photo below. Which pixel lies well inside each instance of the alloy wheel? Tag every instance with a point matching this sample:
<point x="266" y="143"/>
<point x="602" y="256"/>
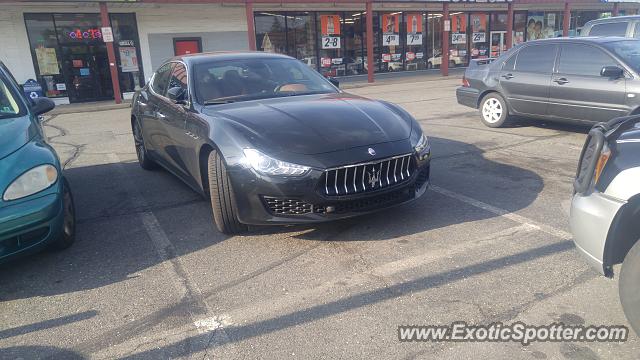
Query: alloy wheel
<point x="492" y="110"/>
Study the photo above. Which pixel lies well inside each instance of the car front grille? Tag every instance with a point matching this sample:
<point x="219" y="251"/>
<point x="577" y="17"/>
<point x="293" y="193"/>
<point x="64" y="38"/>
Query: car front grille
<point x="367" y="177"/>
<point x="281" y="206"/>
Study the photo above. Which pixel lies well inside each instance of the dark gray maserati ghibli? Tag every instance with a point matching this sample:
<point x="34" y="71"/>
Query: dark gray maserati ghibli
<point x="271" y="141"/>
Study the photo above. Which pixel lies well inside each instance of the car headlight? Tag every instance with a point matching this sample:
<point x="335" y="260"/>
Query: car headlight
<point x="265" y="164"/>
<point x="422" y="147"/>
<point x="31" y="182"/>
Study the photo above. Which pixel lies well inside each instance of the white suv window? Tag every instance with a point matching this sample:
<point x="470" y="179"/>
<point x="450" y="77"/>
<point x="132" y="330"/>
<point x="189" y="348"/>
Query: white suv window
<point x="609" y="29"/>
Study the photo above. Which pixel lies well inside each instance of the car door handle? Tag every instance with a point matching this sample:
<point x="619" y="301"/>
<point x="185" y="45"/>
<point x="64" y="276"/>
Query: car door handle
<point x="561" y="81"/>
<point x="508" y="76"/>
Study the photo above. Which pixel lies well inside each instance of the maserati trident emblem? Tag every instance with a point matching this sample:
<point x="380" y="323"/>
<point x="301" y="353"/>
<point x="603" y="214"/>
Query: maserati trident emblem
<point x="371" y="152"/>
<point x="374" y="177"/>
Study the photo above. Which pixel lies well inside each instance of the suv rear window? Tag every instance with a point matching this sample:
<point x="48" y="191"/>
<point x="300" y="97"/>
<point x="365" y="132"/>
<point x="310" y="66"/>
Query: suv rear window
<point x="609" y="29"/>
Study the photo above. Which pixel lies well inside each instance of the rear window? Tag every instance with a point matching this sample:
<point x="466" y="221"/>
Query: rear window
<point x="536" y="58"/>
<point x="609" y="29"/>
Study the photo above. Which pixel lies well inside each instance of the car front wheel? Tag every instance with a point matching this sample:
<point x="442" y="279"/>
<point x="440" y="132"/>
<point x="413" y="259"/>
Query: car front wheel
<point x="629" y="287"/>
<point x="223" y="200"/>
<point x="493" y="110"/>
<point x="68" y="236"/>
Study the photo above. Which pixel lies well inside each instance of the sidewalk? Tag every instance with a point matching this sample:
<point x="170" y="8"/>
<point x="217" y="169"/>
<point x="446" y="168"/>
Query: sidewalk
<point x="346" y="82"/>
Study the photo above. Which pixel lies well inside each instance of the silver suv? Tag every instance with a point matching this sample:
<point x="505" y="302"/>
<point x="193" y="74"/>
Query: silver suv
<point x="605" y="210"/>
<point x="625" y="26"/>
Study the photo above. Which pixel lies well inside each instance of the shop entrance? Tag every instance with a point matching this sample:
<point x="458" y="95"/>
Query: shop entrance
<point x="86" y="72"/>
<point x="498" y="43"/>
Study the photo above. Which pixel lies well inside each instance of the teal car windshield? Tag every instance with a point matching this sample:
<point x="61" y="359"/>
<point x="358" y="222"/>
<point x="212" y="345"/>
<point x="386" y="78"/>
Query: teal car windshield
<point x="10" y="105"/>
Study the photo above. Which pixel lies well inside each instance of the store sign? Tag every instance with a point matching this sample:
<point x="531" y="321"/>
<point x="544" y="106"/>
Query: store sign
<point x="390" y="40"/>
<point x="107" y="34"/>
<point x="386" y="57"/>
<point x="447" y="25"/>
<point x="128" y="59"/>
<point x="411" y="56"/>
<point x="414" y="39"/>
<point x="330" y="24"/>
<point x="479" y="37"/>
<point x="331" y="42"/>
<point x="325" y="62"/>
<point x="85" y="34"/>
<point x="458" y="38"/>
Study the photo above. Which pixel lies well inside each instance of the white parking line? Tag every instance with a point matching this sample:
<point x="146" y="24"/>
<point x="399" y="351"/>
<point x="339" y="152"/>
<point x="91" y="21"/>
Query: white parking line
<point x="207" y="322"/>
<point x="503" y="213"/>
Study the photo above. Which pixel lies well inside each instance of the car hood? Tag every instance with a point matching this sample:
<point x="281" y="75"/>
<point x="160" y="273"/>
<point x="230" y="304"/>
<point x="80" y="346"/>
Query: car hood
<point x="14" y="134"/>
<point x="313" y="124"/>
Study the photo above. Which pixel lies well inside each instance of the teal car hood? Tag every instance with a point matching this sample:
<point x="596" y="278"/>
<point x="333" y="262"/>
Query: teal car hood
<point x="15" y="133"/>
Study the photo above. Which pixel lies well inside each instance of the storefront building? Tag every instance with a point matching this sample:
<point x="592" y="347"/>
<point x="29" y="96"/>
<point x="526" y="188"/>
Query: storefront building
<point x="61" y="45"/>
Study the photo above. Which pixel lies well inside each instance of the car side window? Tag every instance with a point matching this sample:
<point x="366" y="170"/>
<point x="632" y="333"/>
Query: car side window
<point x="609" y="29"/>
<point x="536" y="59"/>
<point x="178" y="78"/>
<point x="583" y="60"/>
<point x="161" y="79"/>
<point x="636" y="31"/>
<point x="510" y="64"/>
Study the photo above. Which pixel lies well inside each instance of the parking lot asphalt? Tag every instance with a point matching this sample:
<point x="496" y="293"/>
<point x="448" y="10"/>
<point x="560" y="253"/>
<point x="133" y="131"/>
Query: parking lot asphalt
<point x="150" y="277"/>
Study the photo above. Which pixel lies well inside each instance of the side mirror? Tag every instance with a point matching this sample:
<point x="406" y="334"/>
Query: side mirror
<point x="334" y="81"/>
<point x="612" y="72"/>
<point x="178" y="95"/>
<point x="42" y="105"/>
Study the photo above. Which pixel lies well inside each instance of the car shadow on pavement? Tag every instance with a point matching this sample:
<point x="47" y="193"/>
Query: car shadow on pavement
<point x="573" y="127"/>
<point x="113" y="246"/>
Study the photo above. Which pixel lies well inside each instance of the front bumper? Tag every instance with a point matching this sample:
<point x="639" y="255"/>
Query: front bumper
<point x="252" y="192"/>
<point x="30" y="225"/>
<point x="590" y="220"/>
<point x="467" y="96"/>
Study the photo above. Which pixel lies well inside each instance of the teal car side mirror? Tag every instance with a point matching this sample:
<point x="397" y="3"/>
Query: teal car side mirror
<point x="42" y="105"/>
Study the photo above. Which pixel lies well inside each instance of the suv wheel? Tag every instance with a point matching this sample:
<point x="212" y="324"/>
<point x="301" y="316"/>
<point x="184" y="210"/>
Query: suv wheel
<point x="493" y="110"/>
<point x="629" y="287"/>
<point x="223" y="200"/>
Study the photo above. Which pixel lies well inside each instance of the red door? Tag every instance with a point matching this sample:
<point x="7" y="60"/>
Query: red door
<point x="187" y="46"/>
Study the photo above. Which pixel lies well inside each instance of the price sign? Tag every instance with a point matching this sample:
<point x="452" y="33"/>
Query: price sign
<point x="458" y="38"/>
<point x="331" y="42"/>
<point x="390" y="40"/>
<point x="479" y="37"/>
<point x="325" y="62"/>
<point x="414" y="39"/>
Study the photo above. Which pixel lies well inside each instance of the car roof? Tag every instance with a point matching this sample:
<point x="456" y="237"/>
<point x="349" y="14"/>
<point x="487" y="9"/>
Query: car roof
<point x="226" y="55"/>
<point x="584" y="40"/>
<point x="615" y="19"/>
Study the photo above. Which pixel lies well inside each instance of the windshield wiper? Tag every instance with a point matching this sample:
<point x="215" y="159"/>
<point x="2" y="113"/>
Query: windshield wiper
<point x="217" y="102"/>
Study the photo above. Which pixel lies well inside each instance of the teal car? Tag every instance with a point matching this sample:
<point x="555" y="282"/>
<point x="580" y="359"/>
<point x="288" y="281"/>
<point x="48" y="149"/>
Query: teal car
<point x="36" y="205"/>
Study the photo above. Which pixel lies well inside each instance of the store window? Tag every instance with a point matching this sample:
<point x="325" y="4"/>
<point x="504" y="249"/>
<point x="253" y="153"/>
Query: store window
<point x="434" y="40"/>
<point x="498" y="34"/>
<point x="415" y="41"/>
<point x="519" y="27"/>
<point x="46" y="55"/>
<point x="391" y="42"/>
<point x="544" y="25"/>
<point x="354" y="42"/>
<point x="331" y="44"/>
<point x="301" y="37"/>
<point x="127" y="48"/>
<point x="479" y="36"/>
<point x="271" y="32"/>
<point x="458" y="45"/>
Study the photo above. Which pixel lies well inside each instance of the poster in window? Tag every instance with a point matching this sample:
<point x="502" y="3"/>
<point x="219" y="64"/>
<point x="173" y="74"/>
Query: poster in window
<point x="128" y="59"/>
<point x="390" y="23"/>
<point x="47" y="61"/>
<point x="414" y="29"/>
<point x="459" y="23"/>
<point x="330" y="24"/>
<point x="479" y="28"/>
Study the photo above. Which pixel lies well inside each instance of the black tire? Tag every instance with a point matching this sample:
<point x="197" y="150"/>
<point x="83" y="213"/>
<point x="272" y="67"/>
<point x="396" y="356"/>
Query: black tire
<point x="223" y="201"/>
<point x="141" y="151"/>
<point x="68" y="235"/>
<point x="629" y="287"/>
<point x="494" y="111"/>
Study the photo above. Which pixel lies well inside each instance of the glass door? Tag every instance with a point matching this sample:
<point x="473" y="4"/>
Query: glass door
<point x="498" y="43"/>
<point x="86" y="72"/>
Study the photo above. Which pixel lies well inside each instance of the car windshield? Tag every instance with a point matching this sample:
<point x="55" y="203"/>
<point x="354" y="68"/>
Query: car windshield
<point x="250" y="79"/>
<point x="10" y="106"/>
<point x="628" y="51"/>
